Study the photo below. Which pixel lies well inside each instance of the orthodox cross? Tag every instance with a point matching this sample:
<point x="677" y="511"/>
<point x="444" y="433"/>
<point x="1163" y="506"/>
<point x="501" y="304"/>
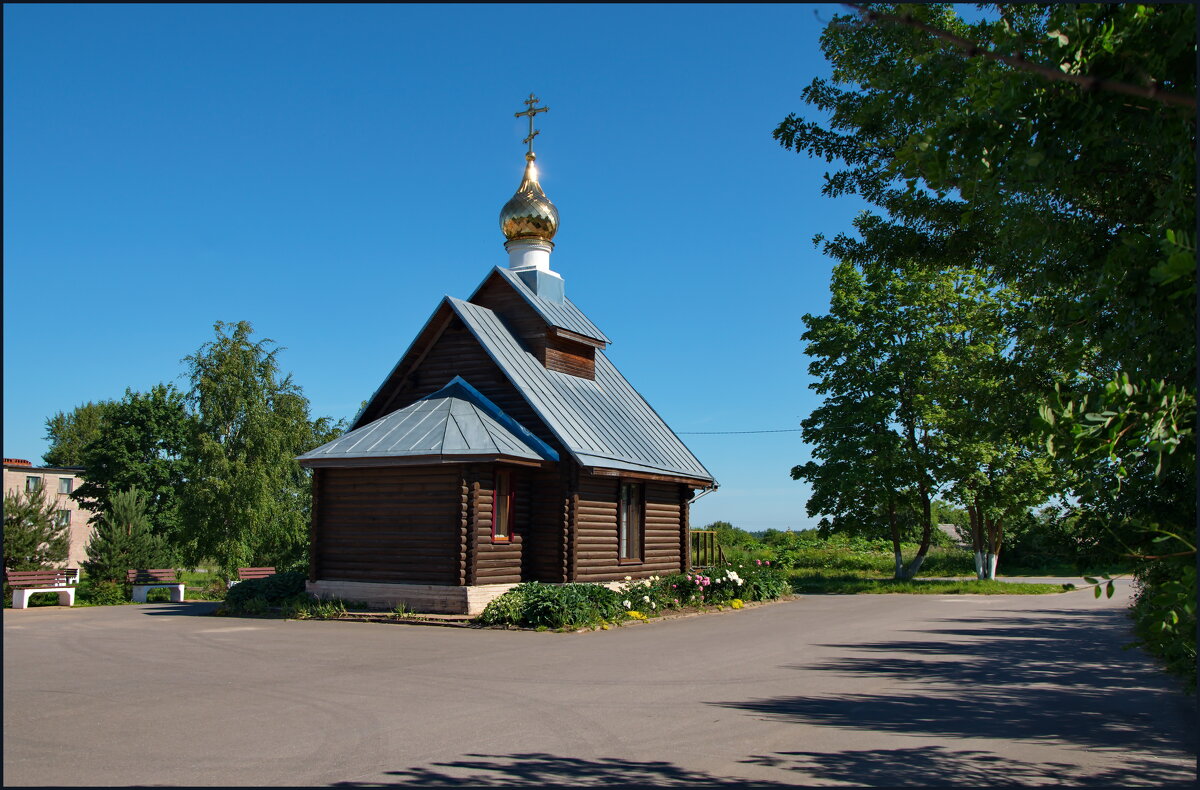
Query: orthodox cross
<point x="532" y="111"/>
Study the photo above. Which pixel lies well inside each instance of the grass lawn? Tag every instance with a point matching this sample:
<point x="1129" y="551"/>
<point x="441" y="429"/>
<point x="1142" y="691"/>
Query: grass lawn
<point x="808" y="582"/>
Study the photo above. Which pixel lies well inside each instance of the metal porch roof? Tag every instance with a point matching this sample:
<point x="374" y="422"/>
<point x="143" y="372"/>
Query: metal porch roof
<point x="456" y="421"/>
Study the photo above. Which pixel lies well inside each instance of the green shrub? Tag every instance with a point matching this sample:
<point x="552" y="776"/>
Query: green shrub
<point x="254" y="605"/>
<point x="1164" y="614"/>
<point x="273" y="590"/>
<point x="534" y="605"/>
<point x="102" y="593"/>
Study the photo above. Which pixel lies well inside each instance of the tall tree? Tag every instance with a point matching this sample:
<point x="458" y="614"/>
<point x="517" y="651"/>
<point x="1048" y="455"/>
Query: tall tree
<point x="878" y="361"/>
<point x="247" y="501"/>
<point x="140" y="445"/>
<point x="33" y="538"/>
<point x="124" y="540"/>
<point x="69" y="434"/>
<point x="1079" y="197"/>
<point x="1054" y="145"/>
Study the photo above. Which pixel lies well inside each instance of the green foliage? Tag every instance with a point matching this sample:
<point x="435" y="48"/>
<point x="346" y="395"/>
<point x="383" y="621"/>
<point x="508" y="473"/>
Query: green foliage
<point x="815" y="583"/>
<point x="32" y="538"/>
<point x="272" y="590"/>
<point x="534" y="605"/>
<point x="729" y="536"/>
<point x="69" y="434"/>
<point x="247" y="500"/>
<point x="124" y="539"/>
<point x="139" y="444"/>
<point x="99" y="592"/>
<point x="1164" y="614"/>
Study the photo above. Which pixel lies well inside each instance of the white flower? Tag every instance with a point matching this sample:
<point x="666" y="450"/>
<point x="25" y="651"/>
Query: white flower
<point x="628" y="578"/>
<point x="627" y="604"/>
<point x="653" y="605"/>
<point x="646" y="598"/>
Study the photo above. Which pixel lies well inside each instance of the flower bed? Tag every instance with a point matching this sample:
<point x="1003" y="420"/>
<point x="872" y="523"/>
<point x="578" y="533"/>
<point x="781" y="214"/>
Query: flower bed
<point x="558" y="606"/>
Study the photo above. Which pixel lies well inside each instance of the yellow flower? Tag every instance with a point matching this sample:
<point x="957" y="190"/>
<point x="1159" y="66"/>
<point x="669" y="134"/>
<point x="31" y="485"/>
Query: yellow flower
<point x="736" y="603"/>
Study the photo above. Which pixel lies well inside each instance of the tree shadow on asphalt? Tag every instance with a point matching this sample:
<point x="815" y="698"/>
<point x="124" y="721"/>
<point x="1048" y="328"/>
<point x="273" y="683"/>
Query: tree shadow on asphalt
<point x="933" y="766"/>
<point x="548" y="770"/>
<point x="182" y="609"/>
<point x="928" y="766"/>
<point x="1049" y="676"/>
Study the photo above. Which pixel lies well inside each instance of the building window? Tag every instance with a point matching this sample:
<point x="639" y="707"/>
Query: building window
<point x="631" y="521"/>
<point x="65" y="485"/>
<point x="63" y="518"/>
<point x="502" y="504"/>
<point x="33" y="483"/>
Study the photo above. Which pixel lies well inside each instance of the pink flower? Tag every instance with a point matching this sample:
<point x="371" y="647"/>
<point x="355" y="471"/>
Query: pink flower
<point x="768" y="562"/>
<point x="758" y="562"/>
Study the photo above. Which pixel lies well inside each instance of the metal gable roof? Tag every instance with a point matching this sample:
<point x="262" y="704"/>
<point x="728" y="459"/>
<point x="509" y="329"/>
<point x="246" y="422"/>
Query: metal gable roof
<point x="565" y="315"/>
<point x="603" y="423"/>
<point x="457" y="420"/>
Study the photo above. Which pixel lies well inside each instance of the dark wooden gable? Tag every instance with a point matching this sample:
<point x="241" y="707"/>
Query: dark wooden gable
<point x="443" y="350"/>
<point x="556" y="348"/>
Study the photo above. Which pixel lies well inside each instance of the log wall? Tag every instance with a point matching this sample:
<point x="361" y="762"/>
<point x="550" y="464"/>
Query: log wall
<point x="457" y="353"/>
<point x="544" y="556"/>
<point x="396" y="525"/>
<point x="495" y="562"/>
<point x="596" y="531"/>
<point x="555" y="353"/>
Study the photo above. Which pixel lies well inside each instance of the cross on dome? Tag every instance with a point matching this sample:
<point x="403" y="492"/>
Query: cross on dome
<point x="531" y="111"/>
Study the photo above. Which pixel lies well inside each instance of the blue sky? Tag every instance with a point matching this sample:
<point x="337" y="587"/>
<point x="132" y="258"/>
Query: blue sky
<point x="329" y="172"/>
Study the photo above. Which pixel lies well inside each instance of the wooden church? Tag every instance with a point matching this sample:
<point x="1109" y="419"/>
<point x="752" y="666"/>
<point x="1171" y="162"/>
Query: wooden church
<point x="503" y="447"/>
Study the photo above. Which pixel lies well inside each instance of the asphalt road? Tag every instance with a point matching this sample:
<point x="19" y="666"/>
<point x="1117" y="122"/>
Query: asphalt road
<point x="822" y="690"/>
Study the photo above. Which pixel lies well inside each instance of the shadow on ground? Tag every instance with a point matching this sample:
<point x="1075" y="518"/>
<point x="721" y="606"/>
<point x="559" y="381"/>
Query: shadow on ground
<point x="548" y="770"/>
<point x="930" y="766"/>
<point x="182" y="609"/>
<point x="934" y="766"/>
<point x="1050" y="676"/>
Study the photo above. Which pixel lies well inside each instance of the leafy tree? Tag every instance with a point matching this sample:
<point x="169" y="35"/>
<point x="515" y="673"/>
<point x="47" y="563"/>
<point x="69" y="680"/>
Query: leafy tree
<point x="879" y="357"/>
<point x="69" y="434"/>
<point x="247" y="501"/>
<point x="1080" y="200"/>
<point x="124" y="539"/>
<point x="1052" y="145"/>
<point x="33" y="539"/>
<point x="140" y="445"/>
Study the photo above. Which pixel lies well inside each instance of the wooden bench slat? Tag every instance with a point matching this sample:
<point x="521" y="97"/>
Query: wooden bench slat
<point x="152" y="576"/>
<point x="59" y="578"/>
<point x="254" y="573"/>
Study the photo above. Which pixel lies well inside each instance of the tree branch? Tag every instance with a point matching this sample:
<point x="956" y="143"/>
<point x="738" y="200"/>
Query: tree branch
<point x="972" y="48"/>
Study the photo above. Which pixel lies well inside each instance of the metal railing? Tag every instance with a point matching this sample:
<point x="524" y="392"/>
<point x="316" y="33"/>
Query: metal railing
<point x="706" y="551"/>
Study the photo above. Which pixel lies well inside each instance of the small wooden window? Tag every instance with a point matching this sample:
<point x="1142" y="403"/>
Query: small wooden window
<point x="631" y="521"/>
<point x="502" y="504"/>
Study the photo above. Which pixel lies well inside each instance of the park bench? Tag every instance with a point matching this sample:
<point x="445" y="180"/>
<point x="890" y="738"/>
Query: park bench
<point x="144" y="581"/>
<point x="26" y="583"/>
<point x="245" y="574"/>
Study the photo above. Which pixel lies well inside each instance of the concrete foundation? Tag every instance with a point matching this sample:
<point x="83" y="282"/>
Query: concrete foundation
<point x="66" y="595"/>
<point x="141" y="591"/>
<point x="429" y="598"/>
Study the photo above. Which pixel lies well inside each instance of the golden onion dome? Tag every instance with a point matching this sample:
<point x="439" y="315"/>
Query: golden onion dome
<point x="529" y="214"/>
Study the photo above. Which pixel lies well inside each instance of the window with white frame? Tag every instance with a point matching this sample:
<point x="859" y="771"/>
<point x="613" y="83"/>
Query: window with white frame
<point x="66" y="485"/>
